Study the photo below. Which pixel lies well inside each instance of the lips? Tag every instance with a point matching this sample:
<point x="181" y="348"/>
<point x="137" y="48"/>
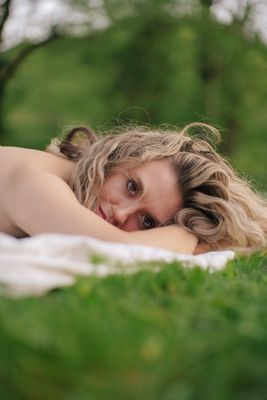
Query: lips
<point x="102" y="214"/>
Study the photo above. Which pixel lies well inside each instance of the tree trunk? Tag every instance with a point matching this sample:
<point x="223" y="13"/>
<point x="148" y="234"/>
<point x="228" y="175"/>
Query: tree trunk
<point x="9" y="68"/>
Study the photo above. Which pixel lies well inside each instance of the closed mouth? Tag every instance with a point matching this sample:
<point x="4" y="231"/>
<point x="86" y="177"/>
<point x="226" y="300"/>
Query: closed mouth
<point x="102" y="214"/>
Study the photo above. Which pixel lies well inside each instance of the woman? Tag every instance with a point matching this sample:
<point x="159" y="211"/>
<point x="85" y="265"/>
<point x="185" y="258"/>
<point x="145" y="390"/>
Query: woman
<point x="117" y="187"/>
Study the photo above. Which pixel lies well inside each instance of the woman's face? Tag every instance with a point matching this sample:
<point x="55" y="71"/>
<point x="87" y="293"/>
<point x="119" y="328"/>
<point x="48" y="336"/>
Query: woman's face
<point x="143" y="198"/>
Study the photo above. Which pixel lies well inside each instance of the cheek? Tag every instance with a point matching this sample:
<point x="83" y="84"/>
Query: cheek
<point x="112" y="190"/>
<point x="103" y="192"/>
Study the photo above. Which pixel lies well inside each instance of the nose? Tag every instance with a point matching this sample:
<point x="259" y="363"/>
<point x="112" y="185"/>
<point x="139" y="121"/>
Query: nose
<point x="122" y="214"/>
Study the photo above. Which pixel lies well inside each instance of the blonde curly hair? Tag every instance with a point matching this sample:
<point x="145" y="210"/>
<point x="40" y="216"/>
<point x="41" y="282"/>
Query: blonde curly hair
<point x="219" y="207"/>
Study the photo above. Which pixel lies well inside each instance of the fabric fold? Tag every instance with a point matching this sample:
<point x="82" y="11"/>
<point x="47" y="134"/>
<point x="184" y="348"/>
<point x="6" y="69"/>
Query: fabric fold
<point x="34" y="265"/>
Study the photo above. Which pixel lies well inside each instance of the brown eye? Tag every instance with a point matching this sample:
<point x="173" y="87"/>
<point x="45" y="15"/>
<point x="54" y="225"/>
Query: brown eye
<point x="132" y="187"/>
<point x="148" y="222"/>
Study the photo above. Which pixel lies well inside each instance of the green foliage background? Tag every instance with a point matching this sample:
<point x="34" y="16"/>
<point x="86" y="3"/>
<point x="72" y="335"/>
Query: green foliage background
<point x="153" y="68"/>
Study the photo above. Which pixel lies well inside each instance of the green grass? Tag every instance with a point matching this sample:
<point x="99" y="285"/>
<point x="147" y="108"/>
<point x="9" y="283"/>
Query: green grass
<point x="173" y="335"/>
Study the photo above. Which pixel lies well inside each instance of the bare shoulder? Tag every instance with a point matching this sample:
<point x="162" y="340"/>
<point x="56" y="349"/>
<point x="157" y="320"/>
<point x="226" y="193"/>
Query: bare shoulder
<point x="17" y="162"/>
<point x="36" y="198"/>
<point x="18" y="166"/>
<point x="12" y="158"/>
<point x="39" y="201"/>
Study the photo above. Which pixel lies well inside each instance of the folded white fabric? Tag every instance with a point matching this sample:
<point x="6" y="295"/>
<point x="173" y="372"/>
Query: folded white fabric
<point x="35" y="265"/>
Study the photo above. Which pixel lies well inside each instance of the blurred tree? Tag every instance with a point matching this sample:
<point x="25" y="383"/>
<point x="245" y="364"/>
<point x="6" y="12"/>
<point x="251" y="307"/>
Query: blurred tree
<point x="86" y="13"/>
<point x="9" y="65"/>
<point x="147" y="70"/>
<point x="219" y="56"/>
<point x="155" y="61"/>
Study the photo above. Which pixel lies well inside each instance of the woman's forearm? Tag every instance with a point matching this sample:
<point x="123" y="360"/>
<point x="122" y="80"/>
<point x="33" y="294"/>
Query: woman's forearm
<point x="172" y="237"/>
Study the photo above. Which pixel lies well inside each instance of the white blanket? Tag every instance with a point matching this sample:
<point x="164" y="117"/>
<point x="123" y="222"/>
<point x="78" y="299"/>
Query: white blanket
<point x="32" y="266"/>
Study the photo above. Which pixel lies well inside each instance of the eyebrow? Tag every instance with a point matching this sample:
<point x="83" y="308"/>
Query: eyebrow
<point x="143" y="188"/>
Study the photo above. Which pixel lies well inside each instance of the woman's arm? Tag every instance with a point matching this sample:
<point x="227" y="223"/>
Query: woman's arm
<point x="170" y="237"/>
<point x="39" y="202"/>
